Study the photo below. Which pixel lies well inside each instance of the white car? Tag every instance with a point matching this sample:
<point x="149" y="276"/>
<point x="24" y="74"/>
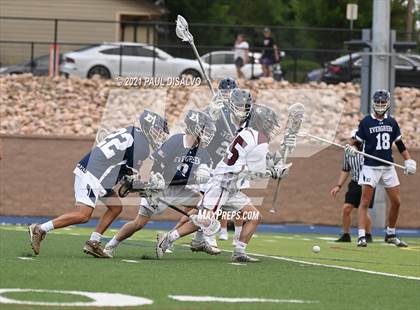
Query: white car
<point x="126" y="59"/>
<point x="221" y="65"/>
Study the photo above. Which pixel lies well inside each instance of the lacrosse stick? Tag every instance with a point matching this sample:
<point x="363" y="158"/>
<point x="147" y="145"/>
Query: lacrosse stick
<point x="208" y="224"/>
<point x="356" y="151"/>
<point x="185" y="35"/>
<point x="294" y="122"/>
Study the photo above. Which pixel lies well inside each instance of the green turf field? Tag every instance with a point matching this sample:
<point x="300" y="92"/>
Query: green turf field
<point x="288" y="273"/>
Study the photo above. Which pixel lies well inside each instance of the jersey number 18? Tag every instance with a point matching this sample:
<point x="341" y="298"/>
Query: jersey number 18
<point x="383" y="141"/>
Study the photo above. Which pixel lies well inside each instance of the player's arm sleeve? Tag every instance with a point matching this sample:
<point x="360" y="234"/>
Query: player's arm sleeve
<point x="256" y="159"/>
<point x="400" y="145"/>
<point x="360" y="134"/>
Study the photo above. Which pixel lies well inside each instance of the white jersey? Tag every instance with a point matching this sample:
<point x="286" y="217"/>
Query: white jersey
<point x="248" y="151"/>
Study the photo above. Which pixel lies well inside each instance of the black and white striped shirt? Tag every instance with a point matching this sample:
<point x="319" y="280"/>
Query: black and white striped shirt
<point x="354" y="165"/>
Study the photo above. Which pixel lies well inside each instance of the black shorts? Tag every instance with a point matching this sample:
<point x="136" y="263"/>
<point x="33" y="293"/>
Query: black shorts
<point x="239" y="62"/>
<point x="354" y="193"/>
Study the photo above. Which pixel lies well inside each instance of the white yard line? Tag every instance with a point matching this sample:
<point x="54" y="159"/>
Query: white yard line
<point x="238" y="299"/>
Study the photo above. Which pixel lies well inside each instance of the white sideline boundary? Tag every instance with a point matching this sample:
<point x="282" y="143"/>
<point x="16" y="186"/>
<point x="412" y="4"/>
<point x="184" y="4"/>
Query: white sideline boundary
<point x="337" y="267"/>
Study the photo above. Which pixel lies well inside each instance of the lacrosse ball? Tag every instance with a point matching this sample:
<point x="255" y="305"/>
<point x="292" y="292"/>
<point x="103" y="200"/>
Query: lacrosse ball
<point x="316" y="249"/>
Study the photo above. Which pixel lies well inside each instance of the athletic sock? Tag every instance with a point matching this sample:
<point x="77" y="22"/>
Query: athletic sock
<point x="174" y="235"/>
<point x="95" y="237"/>
<point x="362" y="233"/>
<point x="240" y="247"/>
<point x="238" y="230"/>
<point x="113" y="243"/>
<point x="47" y="226"/>
<point x="390" y="231"/>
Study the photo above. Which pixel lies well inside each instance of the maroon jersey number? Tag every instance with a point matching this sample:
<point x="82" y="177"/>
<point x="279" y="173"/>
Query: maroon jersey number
<point x="231" y="158"/>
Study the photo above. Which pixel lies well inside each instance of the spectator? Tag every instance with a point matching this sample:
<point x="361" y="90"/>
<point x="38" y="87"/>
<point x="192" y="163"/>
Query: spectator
<point x="353" y="166"/>
<point x="240" y="56"/>
<point x="270" y="53"/>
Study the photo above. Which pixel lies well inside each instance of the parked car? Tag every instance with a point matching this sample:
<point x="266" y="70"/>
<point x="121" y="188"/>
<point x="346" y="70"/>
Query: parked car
<point x="38" y="66"/>
<point x="130" y="59"/>
<point x="407" y="70"/>
<point x="221" y="65"/>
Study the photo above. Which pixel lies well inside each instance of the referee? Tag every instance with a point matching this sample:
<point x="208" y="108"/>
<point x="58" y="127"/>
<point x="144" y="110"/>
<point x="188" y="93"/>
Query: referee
<point x="351" y="165"/>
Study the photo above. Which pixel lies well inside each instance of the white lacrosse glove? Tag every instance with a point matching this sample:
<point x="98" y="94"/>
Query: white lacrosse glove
<point x="350" y="150"/>
<point x="215" y="107"/>
<point x="279" y="171"/>
<point x="290" y="142"/>
<point x="156" y="182"/>
<point x="410" y="166"/>
<point x="202" y="174"/>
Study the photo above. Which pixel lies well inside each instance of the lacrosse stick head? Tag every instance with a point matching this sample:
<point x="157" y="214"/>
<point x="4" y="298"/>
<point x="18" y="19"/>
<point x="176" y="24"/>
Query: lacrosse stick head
<point x="208" y="224"/>
<point x="182" y="31"/>
<point x="295" y="117"/>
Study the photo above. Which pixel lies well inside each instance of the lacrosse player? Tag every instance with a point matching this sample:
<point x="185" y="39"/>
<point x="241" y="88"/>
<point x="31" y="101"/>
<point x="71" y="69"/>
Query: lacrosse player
<point x="236" y="105"/>
<point x="246" y="157"/>
<point x="120" y="153"/>
<point x="182" y="156"/>
<point x="378" y="132"/>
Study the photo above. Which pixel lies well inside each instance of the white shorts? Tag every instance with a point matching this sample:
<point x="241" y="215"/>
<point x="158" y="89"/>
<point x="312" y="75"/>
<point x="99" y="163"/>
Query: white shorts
<point x="175" y="195"/>
<point x="385" y="175"/>
<point x="87" y="189"/>
<point x="217" y="197"/>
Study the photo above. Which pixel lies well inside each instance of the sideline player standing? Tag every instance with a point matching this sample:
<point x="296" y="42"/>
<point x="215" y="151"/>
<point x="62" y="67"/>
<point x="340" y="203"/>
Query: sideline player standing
<point x="99" y="171"/>
<point x="351" y="165"/>
<point x="247" y="156"/>
<point x="378" y="131"/>
<point x="180" y="157"/>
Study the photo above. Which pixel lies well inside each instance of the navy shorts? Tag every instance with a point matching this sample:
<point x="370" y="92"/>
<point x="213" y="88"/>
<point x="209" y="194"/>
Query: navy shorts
<point x="267" y="61"/>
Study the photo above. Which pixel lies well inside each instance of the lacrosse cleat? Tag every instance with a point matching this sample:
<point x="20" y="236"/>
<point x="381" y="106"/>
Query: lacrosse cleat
<point x="238" y="257"/>
<point x="94" y="248"/>
<point x="393" y="239"/>
<point x="36" y="235"/>
<point x="204" y="246"/>
<point x="369" y="238"/>
<point x="235" y="239"/>
<point x="162" y="244"/>
<point x="110" y="251"/>
<point x="361" y="242"/>
<point x="170" y="248"/>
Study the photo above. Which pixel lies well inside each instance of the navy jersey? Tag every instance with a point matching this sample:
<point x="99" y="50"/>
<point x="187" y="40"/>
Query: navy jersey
<point x="218" y="147"/>
<point x="176" y="162"/>
<point x="109" y="160"/>
<point x="378" y="136"/>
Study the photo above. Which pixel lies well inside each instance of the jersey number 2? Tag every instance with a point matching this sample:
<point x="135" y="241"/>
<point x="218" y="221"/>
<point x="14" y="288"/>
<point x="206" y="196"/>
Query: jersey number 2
<point x="383" y="141"/>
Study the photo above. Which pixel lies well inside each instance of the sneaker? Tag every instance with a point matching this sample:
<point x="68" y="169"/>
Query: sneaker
<point x="393" y="239"/>
<point x="223" y="235"/>
<point x="361" y="242"/>
<point x="369" y="238"/>
<point x="344" y="238"/>
<point x="36" y="235"/>
<point x="243" y="258"/>
<point x="204" y="246"/>
<point x="94" y="248"/>
<point x="170" y="248"/>
<point x="162" y="244"/>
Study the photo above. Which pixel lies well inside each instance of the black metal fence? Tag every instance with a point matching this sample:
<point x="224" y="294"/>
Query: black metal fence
<point x="24" y="39"/>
